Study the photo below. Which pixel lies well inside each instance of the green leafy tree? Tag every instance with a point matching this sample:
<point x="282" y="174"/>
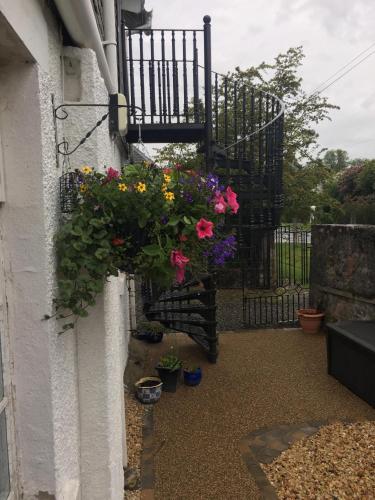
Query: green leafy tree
<point x="302" y="114"/>
<point x="336" y="159"/>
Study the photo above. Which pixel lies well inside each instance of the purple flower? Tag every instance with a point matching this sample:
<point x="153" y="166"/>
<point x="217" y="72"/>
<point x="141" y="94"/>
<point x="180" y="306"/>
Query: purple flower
<point x="164" y="219"/>
<point x="212" y="182"/>
<point x="188" y="197"/>
<point x="222" y="250"/>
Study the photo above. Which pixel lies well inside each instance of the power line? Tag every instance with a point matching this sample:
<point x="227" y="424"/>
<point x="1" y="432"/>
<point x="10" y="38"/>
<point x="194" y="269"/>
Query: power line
<point x="346" y="72"/>
<point x="304" y="101"/>
<point x="343" y="67"/>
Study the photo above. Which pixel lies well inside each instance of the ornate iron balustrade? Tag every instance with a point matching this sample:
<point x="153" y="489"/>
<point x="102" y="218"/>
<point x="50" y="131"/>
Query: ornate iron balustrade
<point x="161" y="72"/>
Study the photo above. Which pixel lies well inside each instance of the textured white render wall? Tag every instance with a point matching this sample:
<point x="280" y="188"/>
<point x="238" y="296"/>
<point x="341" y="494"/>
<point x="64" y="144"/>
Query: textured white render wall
<point x="27" y="19"/>
<point x="103" y="332"/>
<point x="26" y="279"/>
<point x="68" y="388"/>
<point x="45" y="367"/>
<point x="62" y="348"/>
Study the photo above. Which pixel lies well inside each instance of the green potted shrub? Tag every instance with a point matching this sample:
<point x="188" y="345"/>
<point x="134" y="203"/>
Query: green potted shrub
<point x="150" y="331"/>
<point x="169" y="368"/>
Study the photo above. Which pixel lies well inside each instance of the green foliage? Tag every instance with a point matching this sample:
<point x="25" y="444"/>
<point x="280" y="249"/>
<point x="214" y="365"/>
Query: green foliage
<point x="134" y="221"/>
<point x="180" y="153"/>
<point x="151" y="327"/>
<point x="336" y="159"/>
<point x="282" y="78"/>
<point x="352" y="195"/>
<point x="170" y="362"/>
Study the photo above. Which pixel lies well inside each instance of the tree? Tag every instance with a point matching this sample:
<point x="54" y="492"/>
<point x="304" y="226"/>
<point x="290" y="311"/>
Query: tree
<point x="180" y="153"/>
<point x="302" y="114"/>
<point x="336" y="159"/>
<point x="352" y="192"/>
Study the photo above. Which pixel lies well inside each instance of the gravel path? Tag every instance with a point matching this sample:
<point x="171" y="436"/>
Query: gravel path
<point x="134" y="421"/>
<point x="262" y="379"/>
<point x="337" y="462"/>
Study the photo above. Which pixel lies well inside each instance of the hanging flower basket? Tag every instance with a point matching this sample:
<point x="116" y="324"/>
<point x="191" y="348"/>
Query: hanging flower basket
<point x="159" y="223"/>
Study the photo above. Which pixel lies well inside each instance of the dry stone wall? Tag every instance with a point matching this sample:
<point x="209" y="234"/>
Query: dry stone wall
<point x="343" y="271"/>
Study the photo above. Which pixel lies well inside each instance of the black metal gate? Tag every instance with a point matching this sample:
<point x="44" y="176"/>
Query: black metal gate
<point x="276" y="284"/>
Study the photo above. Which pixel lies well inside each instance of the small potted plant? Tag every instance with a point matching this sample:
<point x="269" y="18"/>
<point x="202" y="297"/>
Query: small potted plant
<point x="150" y="331"/>
<point x="148" y="389"/>
<point x="310" y="320"/>
<point x="192" y="375"/>
<point x="169" y="367"/>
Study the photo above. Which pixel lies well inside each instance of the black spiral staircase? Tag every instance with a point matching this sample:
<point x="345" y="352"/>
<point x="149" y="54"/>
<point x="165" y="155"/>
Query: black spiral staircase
<point x="240" y="131"/>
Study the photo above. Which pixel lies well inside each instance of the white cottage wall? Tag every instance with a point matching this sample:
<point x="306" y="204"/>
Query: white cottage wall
<point x="69" y="406"/>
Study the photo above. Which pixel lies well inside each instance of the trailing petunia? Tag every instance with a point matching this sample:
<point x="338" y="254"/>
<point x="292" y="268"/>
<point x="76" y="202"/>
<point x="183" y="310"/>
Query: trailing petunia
<point x="204" y="228"/>
<point x="232" y="199"/>
<point x="179" y="261"/>
<point x="219" y="203"/>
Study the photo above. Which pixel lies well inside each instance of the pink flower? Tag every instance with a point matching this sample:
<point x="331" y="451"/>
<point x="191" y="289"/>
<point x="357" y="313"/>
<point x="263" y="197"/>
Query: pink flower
<point x="232" y="200"/>
<point x="112" y="174"/>
<point x="179" y="260"/>
<point x="220" y="203"/>
<point x="204" y="228"/>
<point x="183" y="237"/>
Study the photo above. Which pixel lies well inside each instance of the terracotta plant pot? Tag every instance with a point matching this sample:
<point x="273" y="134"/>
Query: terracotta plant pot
<point x="310" y="320"/>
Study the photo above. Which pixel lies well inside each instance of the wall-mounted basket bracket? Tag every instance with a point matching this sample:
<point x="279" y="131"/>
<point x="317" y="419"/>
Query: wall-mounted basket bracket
<point x="118" y="123"/>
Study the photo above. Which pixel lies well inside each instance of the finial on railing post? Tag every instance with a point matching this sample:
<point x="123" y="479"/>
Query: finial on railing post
<point x="208" y="91"/>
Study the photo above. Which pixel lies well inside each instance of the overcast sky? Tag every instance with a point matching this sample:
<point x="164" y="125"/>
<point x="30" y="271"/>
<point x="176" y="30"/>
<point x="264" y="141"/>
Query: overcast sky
<point x="332" y="32"/>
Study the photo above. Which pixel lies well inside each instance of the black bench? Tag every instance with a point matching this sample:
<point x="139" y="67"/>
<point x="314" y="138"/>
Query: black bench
<point x="351" y="356"/>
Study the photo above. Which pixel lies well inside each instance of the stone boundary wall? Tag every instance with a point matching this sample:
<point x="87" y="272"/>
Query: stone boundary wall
<point x="343" y="271"/>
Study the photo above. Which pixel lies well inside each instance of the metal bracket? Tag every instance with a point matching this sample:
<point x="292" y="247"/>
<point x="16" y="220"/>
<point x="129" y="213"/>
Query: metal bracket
<point x="61" y="114"/>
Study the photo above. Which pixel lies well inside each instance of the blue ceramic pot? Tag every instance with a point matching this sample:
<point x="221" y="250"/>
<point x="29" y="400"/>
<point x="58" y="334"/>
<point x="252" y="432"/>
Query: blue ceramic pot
<point x="193" y="378"/>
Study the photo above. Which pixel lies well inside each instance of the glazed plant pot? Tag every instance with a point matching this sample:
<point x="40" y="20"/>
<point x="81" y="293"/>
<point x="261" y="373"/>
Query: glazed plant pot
<point x="310" y="320"/>
<point x="193" y="377"/>
<point x="169" y="378"/>
<point x="148" y="389"/>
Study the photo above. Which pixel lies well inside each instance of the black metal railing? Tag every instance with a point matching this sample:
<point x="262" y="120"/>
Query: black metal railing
<point x="190" y="308"/>
<point x="162" y="74"/>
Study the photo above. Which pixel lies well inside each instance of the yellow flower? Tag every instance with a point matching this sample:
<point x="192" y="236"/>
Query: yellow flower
<point x="146" y="163"/>
<point x="123" y="187"/>
<point x="164" y="188"/>
<point x="169" y="196"/>
<point x="83" y="188"/>
<point x="86" y="170"/>
<point x="140" y="187"/>
<point x="167" y="178"/>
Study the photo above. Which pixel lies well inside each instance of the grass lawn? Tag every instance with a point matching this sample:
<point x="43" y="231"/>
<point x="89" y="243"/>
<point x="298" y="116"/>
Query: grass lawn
<point x="293" y="262"/>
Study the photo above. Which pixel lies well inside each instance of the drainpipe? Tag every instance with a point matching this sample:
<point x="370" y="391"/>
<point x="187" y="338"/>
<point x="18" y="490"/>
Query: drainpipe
<point x="79" y="19"/>
<point x="110" y="43"/>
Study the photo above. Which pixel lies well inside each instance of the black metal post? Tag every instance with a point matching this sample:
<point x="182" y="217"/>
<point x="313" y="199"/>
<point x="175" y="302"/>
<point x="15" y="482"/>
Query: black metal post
<point x="208" y="91"/>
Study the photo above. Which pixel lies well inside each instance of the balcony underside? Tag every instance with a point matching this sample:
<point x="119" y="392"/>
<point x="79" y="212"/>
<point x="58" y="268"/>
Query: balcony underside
<point x="168" y="132"/>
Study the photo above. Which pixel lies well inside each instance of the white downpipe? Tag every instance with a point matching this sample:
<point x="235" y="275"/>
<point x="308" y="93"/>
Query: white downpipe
<point x="110" y="44"/>
<point x="79" y="20"/>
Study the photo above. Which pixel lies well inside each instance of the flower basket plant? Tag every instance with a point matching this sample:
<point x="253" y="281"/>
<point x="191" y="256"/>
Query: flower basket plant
<point x="158" y="223"/>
